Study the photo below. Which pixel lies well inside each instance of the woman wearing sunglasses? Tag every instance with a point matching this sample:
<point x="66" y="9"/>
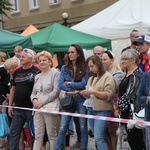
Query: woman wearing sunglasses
<point x="72" y="80"/>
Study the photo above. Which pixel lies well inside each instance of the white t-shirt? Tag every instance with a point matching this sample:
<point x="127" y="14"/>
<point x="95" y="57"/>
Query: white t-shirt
<point x="89" y="102"/>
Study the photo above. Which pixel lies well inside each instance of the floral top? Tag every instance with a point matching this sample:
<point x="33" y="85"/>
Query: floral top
<point x="128" y="96"/>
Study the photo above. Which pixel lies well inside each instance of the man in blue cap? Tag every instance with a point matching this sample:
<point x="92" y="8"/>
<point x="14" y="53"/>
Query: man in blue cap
<point x="143" y="46"/>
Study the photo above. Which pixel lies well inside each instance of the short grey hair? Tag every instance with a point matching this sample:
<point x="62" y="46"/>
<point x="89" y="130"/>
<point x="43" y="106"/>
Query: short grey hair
<point x="29" y="52"/>
<point x="132" y="53"/>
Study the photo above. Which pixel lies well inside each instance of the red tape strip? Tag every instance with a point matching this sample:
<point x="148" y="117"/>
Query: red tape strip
<point x="139" y="122"/>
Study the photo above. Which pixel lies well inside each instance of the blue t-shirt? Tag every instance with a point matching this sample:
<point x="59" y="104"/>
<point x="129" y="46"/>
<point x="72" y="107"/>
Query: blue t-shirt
<point x="142" y="66"/>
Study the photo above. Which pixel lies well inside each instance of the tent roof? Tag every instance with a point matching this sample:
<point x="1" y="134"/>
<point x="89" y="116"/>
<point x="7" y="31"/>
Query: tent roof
<point x="57" y="38"/>
<point x="29" y="30"/>
<point x="118" y="20"/>
<point x="9" y="40"/>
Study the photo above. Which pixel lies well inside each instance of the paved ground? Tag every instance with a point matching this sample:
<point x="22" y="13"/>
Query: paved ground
<point x="91" y="143"/>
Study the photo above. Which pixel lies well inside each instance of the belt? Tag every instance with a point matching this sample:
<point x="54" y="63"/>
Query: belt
<point x="73" y="94"/>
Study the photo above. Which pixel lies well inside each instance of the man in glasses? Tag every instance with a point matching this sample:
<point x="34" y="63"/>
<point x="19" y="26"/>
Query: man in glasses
<point x="133" y="37"/>
<point x="22" y="85"/>
<point x="143" y="46"/>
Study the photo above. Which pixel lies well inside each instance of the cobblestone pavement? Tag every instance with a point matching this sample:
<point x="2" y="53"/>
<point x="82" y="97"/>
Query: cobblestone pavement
<point x="91" y="144"/>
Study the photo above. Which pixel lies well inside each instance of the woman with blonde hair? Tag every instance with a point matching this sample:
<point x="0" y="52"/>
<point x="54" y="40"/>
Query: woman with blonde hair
<point x="45" y="96"/>
<point x="11" y="65"/>
<point x="111" y="65"/>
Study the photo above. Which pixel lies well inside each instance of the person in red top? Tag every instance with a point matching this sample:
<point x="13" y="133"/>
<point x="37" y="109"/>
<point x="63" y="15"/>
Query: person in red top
<point x="143" y="46"/>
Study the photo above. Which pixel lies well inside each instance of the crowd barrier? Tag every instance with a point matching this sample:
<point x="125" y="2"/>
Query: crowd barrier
<point x="138" y="122"/>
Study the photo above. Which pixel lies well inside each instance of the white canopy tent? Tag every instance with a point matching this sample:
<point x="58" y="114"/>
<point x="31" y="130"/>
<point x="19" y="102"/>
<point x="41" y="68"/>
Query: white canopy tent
<point x="117" y="21"/>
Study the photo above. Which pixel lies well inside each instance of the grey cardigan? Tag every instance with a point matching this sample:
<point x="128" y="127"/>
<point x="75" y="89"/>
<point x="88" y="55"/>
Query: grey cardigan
<point x="46" y="88"/>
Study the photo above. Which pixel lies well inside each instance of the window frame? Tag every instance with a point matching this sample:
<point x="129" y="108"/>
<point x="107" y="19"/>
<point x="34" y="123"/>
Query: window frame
<point x="52" y="2"/>
<point x="15" y="6"/>
<point x="75" y="1"/>
<point x="31" y="4"/>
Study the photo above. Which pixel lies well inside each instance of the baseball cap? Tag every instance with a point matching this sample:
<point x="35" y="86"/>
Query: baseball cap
<point x="141" y="39"/>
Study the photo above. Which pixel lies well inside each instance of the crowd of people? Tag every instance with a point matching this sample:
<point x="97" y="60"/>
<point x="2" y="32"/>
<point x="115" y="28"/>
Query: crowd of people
<point x="100" y="85"/>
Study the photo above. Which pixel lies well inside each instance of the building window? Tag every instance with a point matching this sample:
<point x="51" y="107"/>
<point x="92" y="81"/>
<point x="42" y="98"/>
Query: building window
<point x="75" y="0"/>
<point x="54" y="2"/>
<point x="15" y="6"/>
<point x="34" y="4"/>
<point x="0" y="22"/>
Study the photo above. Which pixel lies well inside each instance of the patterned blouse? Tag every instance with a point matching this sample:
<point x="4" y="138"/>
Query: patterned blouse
<point x="127" y="92"/>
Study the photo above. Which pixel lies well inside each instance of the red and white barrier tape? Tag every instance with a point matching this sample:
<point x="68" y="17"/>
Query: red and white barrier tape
<point x="139" y="122"/>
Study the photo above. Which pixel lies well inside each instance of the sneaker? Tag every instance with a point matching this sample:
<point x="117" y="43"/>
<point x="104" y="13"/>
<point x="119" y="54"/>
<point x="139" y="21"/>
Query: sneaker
<point x="67" y="148"/>
<point x="90" y="133"/>
<point x="76" y="145"/>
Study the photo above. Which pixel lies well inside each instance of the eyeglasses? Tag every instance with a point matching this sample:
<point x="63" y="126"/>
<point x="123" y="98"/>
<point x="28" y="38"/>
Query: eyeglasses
<point x="71" y="52"/>
<point x="124" y="59"/>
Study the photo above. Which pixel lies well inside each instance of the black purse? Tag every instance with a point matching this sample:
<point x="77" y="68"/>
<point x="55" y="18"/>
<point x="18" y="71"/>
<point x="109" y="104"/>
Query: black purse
<point x="67" y="103"/>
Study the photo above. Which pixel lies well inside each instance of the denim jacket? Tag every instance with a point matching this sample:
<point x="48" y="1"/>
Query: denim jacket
<point x="144" y="92"/>
<point x="64" y="76"/>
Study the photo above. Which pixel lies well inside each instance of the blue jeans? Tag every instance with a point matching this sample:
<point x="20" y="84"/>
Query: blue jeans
<point x="71" y="131"/>
<point x="98" y="127"/>
<point x="18" y="121"/>
<point x="75" y="120"/>
<point x="65" y="125"/>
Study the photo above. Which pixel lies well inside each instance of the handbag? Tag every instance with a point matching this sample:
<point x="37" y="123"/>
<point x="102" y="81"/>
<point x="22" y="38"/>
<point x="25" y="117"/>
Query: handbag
<point x="67" y="103"/>
<point x="4" y="125"/>
<point x="137" y="116"/>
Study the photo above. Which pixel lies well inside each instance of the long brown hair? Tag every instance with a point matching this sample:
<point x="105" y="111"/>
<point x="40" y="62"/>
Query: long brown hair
<point x="96" y="61"/>
<point x="80" y="64"/>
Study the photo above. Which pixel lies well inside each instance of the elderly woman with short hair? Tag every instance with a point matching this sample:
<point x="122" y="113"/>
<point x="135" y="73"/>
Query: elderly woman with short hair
<point x="127" y="96"/>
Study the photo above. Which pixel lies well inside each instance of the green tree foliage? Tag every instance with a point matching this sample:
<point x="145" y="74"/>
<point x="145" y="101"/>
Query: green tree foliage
<point x="5" y="5"/>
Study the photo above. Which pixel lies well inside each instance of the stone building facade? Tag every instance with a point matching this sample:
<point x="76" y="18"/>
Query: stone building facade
<point x="42" y="13"/>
